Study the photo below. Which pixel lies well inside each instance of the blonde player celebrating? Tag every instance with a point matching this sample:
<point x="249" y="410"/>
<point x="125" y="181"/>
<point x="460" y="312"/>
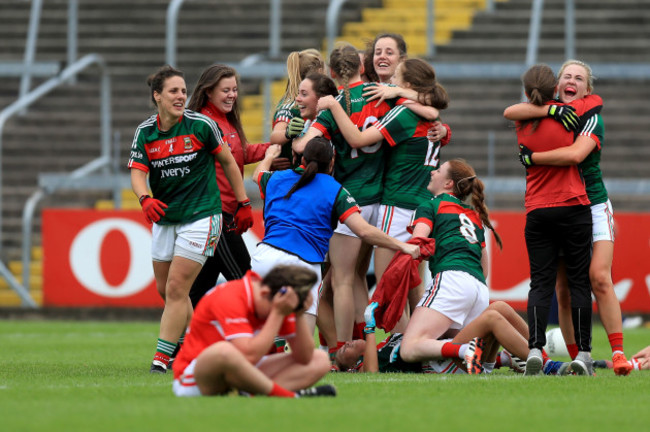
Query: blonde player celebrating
<point x="288" y="122"/>
<point x="575" y="82"/>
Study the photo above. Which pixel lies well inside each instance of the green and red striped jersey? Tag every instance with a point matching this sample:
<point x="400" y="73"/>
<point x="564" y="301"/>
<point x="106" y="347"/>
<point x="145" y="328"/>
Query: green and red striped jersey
<point x="180" y="163"/>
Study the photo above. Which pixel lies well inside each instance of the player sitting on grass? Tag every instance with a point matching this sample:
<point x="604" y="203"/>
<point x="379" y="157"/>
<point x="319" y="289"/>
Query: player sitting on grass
<point x="477" y="344"/>
<point x="233" y="329"/>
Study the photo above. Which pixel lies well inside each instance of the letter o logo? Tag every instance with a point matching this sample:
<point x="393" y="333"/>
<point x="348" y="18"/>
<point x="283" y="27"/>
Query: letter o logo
<point x="86" y="264"/>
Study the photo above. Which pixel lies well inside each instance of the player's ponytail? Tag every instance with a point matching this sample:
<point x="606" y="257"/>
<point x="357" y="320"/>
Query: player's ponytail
<point x="318" y="156"/>
<point x="299" y="65"/>
<point x="539" y="84"/>
<point x="345" y="62"/>
<point x="466" y="183"/>
<point x="422" y="78"/>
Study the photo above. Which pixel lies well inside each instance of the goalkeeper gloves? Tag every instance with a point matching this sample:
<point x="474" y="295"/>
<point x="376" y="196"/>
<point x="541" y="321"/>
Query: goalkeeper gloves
<point x="566" y="115"/>
<point x="243" y="217"/>
<point x="152" y="208"/>
<point x="525" y="156"/>
<point x="294" y="128"/>
<point x="369" y="316"/>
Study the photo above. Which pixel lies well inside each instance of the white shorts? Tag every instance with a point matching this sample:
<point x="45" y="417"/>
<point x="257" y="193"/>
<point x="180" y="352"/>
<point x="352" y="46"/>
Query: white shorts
<point x="196" y="240"/>
<point x="442" y="366"/>
<point x="457" y="295"/>
<point x="266" y="257"/>
<point x="394" y="220"/>
<point x="368" y="213"/>
<point x="185" y="386"/>
<point x="602" y="217"/>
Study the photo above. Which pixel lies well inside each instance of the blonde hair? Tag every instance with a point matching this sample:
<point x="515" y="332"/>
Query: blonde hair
<point x="299" y="65"/>
<point x="590" y="74"/>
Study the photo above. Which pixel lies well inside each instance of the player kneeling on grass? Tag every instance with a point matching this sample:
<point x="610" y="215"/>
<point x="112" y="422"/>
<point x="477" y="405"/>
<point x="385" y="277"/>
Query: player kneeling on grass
<point x="233" y="328"/>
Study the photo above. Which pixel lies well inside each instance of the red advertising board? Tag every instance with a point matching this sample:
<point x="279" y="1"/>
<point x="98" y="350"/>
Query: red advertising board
<point x="103" y="258"/>
<point x="509" y="272"/>
<point x="97" y="258"/>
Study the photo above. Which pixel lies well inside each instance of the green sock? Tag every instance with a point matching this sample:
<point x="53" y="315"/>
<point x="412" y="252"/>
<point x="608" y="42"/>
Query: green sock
<point x="165" y="347"/>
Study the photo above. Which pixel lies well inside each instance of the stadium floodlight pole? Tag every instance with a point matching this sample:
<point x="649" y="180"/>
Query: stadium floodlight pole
<point x="431" y="27"/>
<point x="332" y="21"/>
<point x="569" y="30"/>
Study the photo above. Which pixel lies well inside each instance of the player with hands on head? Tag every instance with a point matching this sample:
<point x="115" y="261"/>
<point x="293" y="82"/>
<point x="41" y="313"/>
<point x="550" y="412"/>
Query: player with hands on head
<point x="178" y="149"/>
<point x="298" y="226"/>
<point x="232" y="332"/>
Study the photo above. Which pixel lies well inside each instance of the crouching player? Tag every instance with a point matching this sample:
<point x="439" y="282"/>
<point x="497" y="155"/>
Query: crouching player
<point x="232" y="330"/>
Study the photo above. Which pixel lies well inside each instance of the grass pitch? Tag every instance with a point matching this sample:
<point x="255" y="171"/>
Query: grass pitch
<point x="94" y="376"/>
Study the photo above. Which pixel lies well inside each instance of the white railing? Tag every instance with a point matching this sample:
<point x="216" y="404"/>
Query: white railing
<point x="173" y="10"/>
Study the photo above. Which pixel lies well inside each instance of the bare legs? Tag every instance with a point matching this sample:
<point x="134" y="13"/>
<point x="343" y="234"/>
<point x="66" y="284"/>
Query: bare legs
<point x="600" y="275"/>
<point x="344" y="251"/>
<point x="222" y="366"/>
<point x="421" y="337"/>
<point x="173" y="281"/>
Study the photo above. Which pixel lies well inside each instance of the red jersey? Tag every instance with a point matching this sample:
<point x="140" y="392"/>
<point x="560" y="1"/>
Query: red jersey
<point x="225" y="313"/>
<point x="554" y="186"/>
<point x="254" y="153"/>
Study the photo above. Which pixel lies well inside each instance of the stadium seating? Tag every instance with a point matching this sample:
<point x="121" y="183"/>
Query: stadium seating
<point x="61" y="132"/>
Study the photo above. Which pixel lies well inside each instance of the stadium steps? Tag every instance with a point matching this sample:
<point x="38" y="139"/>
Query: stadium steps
<point x="8" y="297"/>
<point x="396" y="16"/>
<point x="61" y="131"/>
<point x="409" y="19"/>
<point x="129" y="202"/>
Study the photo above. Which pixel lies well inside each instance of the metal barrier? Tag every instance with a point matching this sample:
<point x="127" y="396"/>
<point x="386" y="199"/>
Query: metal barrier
<point x="275" y="29"/>
<point x="103" y="162"/>
<point x="32" y="37"/>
